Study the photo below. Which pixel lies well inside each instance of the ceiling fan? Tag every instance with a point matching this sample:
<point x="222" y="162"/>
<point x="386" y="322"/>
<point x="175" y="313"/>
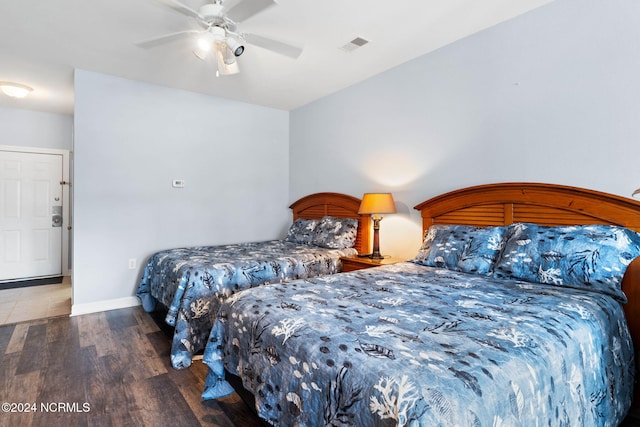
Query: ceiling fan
<point x="219" y="34"/>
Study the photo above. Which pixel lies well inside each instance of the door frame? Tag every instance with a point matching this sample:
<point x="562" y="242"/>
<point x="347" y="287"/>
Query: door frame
<point x="66" y="196"/>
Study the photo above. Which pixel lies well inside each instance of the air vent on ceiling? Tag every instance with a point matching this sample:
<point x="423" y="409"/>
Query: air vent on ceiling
<point x="354" y="44"/>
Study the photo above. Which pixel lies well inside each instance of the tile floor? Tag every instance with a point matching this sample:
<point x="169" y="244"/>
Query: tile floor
<point x="35" y="302"/>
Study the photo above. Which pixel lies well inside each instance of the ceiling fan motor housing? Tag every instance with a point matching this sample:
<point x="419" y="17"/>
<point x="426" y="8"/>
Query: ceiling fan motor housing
<point x="211" y="12"/>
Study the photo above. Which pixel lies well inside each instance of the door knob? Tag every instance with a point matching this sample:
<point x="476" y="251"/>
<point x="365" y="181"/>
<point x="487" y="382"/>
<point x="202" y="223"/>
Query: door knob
<point x="56" y="220"/>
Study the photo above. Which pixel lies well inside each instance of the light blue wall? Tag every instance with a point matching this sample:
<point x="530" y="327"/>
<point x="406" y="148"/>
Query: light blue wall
<point x="35" y="129"/>
<point x="131" y="140"/>
<point x="551" y="96"/>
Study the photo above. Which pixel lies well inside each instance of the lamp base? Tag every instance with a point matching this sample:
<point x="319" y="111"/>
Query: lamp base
<point x="372" y="256"/>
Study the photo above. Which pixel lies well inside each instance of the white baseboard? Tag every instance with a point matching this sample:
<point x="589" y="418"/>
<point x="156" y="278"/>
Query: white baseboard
<point x="112" y="304"/>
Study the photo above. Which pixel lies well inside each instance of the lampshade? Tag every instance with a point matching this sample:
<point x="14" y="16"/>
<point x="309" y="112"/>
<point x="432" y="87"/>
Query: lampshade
<point x="15" y="90"/>
<point x="377" y="203"/>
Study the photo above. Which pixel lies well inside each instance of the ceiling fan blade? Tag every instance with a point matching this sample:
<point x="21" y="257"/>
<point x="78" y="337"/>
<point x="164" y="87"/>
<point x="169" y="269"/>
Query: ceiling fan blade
<point x="247" y="8"/>
<point x="182" y="8"/>
<point x="273" y="45"/>
<point x="155" y="41"/>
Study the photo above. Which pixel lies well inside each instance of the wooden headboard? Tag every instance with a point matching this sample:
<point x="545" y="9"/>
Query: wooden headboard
<point x="315" y="206"/>
<point x="546" y="204"/>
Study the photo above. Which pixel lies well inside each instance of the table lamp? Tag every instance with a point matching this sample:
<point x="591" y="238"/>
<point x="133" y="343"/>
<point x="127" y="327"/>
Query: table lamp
<point x="375" y="204"/>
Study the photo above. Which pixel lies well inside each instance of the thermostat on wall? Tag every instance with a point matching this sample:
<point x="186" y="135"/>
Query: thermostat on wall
<point x="177" y="183"/>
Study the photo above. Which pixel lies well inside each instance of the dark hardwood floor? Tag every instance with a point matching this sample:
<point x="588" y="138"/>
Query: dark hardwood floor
<point x="104" y="369"/>
<point x="109" y="369"/>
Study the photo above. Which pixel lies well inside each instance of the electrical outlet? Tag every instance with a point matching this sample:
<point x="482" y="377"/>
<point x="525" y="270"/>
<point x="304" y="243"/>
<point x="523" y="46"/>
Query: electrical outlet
<point x="132" y="263"/>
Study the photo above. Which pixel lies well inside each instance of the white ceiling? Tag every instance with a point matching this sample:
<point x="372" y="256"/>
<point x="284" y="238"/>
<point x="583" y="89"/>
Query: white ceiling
<point x="41" y="42"/>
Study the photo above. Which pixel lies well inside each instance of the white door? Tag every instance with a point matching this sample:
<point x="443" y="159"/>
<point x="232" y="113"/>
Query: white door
<point x="30" y="215"/>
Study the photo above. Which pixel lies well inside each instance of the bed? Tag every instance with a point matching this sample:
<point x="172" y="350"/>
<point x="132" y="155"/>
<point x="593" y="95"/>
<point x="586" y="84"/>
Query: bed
<point x="192" y="282"/>
<point x="512" y="313"/>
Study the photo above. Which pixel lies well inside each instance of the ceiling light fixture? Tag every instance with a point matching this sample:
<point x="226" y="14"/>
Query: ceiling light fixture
<point x="236" y="47"/>
<point x="225" y="48"/>
<point x="226" y="62"/>
<point x="205" y="42"/>
<point x="15" y="90"/>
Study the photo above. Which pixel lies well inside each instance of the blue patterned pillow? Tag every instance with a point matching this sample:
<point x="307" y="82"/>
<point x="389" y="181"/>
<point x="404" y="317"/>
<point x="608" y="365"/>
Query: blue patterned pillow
<point x="482" y="250"/>
<point x="461" y="247"/>
<point x="593" y="257"/>
<point x="335" y="233"/>
<point x="301" y="231"/>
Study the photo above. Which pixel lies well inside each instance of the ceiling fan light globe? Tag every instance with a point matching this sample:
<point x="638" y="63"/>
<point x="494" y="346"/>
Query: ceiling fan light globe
<point x="230" y="69"/>
<point x="223" y="51"/>
<point x="229" y="59"/>
<point x="200" y="54"/>
<point x="203" y="46"/>
<point x="225" y="68"/>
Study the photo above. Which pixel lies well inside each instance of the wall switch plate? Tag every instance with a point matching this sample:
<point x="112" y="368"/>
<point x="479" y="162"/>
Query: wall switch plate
<point x="177" y="183"/>
<point x="132" y="263"/>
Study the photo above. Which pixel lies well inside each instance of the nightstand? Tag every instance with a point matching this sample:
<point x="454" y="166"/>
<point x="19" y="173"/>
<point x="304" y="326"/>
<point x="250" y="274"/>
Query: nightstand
<point x="357" y="263"/>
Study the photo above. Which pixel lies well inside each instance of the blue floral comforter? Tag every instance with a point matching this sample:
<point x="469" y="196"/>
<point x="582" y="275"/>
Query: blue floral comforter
<point x="422" y="346"/>
<point x="192" y="282"/>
